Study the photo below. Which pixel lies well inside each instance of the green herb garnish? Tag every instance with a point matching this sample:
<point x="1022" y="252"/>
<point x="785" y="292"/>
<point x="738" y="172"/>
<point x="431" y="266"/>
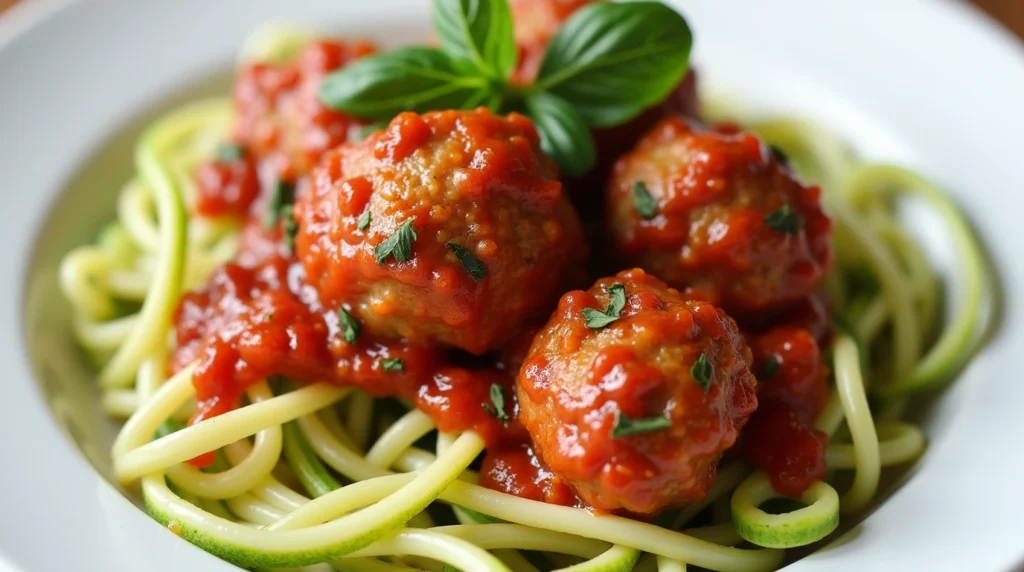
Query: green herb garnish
<point x="862" y="279"/>
<point x="291" y="227"/>
<point x="281" y="196"/>
<point x="364" y="220"/>
<point x="702" y="371"/>
<point x="350" y="326"/>
<point x="779" y="154"/>
<point x="496" y="408"/>
<point x="398" y="245"/>
<point x="784" y="220"/>
<point x="478" y="32"/>
<point x="393" y="364"/>
<point x="597" y="319"/>
<point x="472" y="264"/>
<point x="606" y="64"/>
<point x="230" y="152"/>
<point x="625" y="426"/>
<point x="770" y="368"/>
<point x="643" y="203"/>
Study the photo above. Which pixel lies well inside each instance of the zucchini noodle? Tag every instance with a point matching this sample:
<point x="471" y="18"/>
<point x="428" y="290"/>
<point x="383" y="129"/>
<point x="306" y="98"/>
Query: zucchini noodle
<point x="798" y="528"/>
<point x="331" y="478"/>
<point x="850" y="388"/>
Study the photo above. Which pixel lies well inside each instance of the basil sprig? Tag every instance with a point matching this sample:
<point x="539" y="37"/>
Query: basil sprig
<point x="609" y="62"/>
<point x="407" y="79"/>
<point x="477" y="31"/>
<point x="613" y="60"/>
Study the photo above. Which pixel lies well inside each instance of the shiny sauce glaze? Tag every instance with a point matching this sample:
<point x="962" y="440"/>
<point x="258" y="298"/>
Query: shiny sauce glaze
<point x="281" y="126"/>
<point x="780" y="438"/>
<point x="253" y="322"/>
<point x="260" y="316"/>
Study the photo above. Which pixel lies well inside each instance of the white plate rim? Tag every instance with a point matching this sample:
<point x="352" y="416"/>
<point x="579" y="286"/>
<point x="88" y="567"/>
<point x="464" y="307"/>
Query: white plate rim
<point x="23" y="408"/>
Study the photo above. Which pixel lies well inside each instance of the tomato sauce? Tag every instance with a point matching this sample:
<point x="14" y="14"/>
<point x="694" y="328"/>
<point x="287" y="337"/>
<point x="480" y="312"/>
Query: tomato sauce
<point x="227" y="187"/>
<point x="254" y="322"/>
<point x="281" y="128"/>
<point x="515" y="469"/>
<point x="281" y="120"/>
<point x="792" y="390"/>
<point x="262" y="316"/>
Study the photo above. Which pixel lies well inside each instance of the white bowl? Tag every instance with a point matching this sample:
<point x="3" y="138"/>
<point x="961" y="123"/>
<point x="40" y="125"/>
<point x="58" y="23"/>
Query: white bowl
<point x="928" y="84"/>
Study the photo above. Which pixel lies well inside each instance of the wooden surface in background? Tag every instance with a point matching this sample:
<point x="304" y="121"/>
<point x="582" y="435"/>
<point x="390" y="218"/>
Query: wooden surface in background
<point x="1009" y="12"/>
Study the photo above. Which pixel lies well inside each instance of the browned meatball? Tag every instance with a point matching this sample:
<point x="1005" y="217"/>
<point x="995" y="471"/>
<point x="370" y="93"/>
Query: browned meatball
<point x="634" y="412"/>
<point x="718" y="213"/>
<point x="536" y="22"/>
<point x="447" y="228"/>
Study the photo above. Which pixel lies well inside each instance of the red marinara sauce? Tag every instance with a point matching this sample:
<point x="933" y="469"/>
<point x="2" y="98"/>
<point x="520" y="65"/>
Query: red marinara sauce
<point x="281" y="127"/>
<point x="514" y="468"/>
<point x="792" y="390"/>
<point x="227" y="186"/>
<point x="252" y="322"/>
<point x="281" y="120"/>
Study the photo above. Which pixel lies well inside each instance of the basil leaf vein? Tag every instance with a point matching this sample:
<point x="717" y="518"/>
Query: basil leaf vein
<point x="626" y="426"/>
<point x="477" y="31"/>
<point x="613" y="60"/>
<point x="409" y="79"/>
<point x="564" y="134"/>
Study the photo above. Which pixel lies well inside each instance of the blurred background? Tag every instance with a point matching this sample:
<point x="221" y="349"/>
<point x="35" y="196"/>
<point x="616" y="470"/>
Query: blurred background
<point x="1009" y="12"/>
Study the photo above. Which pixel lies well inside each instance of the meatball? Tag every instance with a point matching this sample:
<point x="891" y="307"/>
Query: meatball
<point x="447" y="228"/>
<point x="279" y="117"/>
<point x="634" y="414"/>
<point x="536" y="22"/>
<point x="718" y="213"/>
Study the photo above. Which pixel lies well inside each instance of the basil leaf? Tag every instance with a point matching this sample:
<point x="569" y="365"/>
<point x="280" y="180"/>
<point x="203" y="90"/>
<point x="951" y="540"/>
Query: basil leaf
<point x="597" y="319"/>
<point x="643" y="203"/>
<point x="350" y="326"/>
<point x="626" y="426"/>
<point x="410" y="79"/>
<point x="784" y="220"/>
<point x="613" y="60"/>
<point x="477" y="269"/>
<point x="564" y="135"/>
<point x="364" y="219"/>
<point x="496" y="408"/>
<point x="477" y="31"/>
<point x="398" y="245"/>
<point x="393" y="364"/>
<point x="770" y="368"/>
<point x="618" y="301"/>
<point x="291" y="227"/>
<point x="281" y="195"/>
<point x="701" y="371"/>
